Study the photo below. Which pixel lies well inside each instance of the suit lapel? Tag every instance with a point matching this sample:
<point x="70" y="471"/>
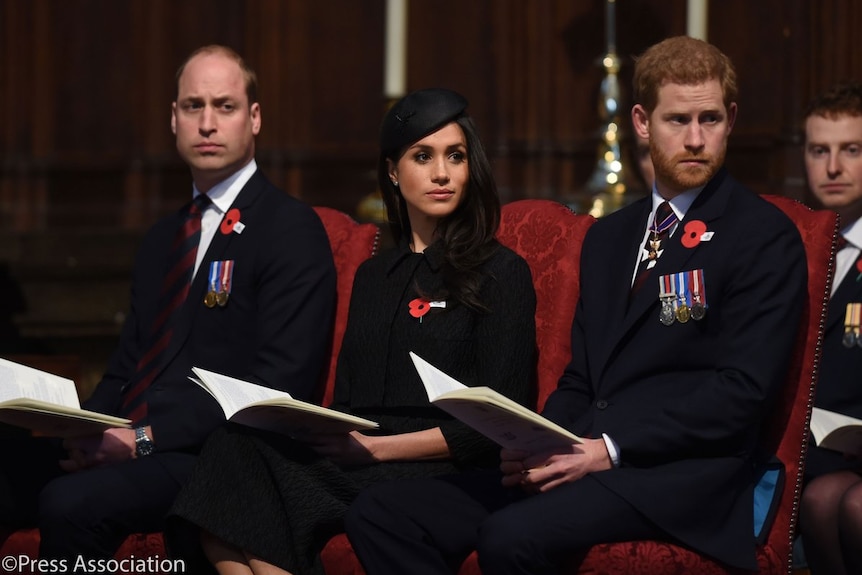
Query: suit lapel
<point x="217" y="248"/>
<point x="624" y="249"/>
<point x="708" y="207"/>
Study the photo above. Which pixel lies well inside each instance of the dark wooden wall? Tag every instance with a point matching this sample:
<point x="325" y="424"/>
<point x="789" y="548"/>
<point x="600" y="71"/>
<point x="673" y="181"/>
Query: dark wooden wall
<point x="87" y="160"/>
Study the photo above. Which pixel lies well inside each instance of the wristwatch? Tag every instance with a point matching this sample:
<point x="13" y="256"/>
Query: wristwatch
<point x="143" y="444"/>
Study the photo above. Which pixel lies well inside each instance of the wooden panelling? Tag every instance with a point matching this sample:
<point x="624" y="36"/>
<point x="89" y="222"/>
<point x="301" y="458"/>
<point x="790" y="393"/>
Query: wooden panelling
<point x="86" y="87"/>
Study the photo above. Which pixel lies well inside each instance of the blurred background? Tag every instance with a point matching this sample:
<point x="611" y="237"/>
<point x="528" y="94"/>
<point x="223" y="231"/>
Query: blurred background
<point x="87" y="159"/>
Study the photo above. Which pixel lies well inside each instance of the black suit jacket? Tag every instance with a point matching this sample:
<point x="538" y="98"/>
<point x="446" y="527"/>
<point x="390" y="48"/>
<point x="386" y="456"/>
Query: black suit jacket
<point x="838" y="387"/>
<point x="838" y="384"/>
<point x="684" y="402"/>
<point x="274" y="329"/>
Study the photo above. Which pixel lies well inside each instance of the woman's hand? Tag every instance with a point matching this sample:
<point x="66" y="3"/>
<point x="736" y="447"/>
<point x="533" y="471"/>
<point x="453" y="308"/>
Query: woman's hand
<point x="344" y="449"/>
<point x="356" y="449"/>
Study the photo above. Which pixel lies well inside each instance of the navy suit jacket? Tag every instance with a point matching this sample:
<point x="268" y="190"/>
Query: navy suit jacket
<point x="684" y="401"/>
<point x="274" y="330"/>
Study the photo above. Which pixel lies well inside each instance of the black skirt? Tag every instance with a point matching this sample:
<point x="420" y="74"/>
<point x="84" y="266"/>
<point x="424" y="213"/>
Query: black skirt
<point x="271" y="497"/>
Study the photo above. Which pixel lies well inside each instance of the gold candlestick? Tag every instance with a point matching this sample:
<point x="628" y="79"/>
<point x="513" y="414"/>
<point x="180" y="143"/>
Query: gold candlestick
<point x="607" y="189"/>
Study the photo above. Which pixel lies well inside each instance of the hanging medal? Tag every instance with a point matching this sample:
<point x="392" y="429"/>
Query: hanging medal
<point x="225" y="282"/>
<point x="683" y="312"/>
<point x="211" y="297"/>
<point x="698" y="295"/>
<point x="852" y="325"/>
<point x="667" y="297"/>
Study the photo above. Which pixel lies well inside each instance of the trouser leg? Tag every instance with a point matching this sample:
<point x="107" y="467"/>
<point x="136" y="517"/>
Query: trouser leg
<point x="422" y="527"/>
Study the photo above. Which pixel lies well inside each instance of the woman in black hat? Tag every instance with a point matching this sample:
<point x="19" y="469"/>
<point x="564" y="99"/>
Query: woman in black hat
<point x="265" y="503"/>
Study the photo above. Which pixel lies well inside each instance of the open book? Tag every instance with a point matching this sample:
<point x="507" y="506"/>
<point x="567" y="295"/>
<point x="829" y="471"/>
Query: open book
<point x="266" y="408"/>
<point x="490" y="413"/>
<point x="47" y="404"/>
<point x="836" y="431"/>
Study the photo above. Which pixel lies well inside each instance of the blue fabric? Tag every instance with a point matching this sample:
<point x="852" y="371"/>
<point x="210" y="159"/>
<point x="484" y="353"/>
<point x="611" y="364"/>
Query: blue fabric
<point x="766" y="494"/>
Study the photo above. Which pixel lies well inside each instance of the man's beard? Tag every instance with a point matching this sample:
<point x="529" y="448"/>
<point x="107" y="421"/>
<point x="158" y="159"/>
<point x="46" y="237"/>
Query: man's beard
<point x="672" y="173"/>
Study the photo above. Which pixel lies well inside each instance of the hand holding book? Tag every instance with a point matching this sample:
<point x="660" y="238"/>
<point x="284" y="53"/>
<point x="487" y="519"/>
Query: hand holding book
<point x="492" y="414"/>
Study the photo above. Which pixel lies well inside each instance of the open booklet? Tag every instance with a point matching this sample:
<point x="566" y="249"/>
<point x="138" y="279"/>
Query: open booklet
<point x="492" y="414"/>
<point x="47" y="404"/>
<point x="836" y="431"/>
<point x="273" y="410"/>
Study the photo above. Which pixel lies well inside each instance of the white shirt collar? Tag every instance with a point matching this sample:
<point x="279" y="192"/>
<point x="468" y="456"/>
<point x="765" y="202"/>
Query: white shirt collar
<point x="679" y="203"/>
<point x="853" y="233"/>
<point x="225" y="192"/>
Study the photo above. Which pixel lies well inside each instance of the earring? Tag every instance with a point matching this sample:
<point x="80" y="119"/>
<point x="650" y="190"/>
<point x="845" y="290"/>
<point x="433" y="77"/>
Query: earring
<point x="395" y="183"/>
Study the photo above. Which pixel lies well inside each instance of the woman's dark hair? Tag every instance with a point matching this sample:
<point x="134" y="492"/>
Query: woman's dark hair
<point x="467" y="235"/>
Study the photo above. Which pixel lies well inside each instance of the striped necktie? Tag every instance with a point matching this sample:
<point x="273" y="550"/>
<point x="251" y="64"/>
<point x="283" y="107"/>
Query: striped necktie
<point x="662" y="224"/>
<point x="175" y="288"/>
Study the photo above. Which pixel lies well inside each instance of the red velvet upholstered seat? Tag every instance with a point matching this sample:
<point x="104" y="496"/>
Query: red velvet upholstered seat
<point x="548" y="236"/>
<point x="352" y="243"/>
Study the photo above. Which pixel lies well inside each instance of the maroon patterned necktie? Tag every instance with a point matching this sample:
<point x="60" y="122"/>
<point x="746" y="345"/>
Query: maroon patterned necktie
<point x="662" y="224"/>
<point x="840" y="243"/>
<point x="175" y="288"/>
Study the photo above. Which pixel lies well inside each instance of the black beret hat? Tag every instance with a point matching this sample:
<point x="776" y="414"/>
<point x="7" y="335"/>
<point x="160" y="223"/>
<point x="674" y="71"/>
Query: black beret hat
<point x="416" y="115"/>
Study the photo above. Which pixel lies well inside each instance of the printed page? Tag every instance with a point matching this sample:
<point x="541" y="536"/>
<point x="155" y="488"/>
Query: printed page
<point x="436" y="382"/>
<point x="17" y="381"/>
<point x="234" y="394"/>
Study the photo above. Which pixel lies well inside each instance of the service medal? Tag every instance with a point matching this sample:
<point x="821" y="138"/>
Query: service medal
<point x="210" y="299"/>
<point x="697" y="309"/>
<point x="221" y="298"/>
<point x="852" y="322"/>
<point x="667" y="316"/>
<point x="683" y="313"/>
<point x="697" y="287"/>
<point x="667" y="296"/>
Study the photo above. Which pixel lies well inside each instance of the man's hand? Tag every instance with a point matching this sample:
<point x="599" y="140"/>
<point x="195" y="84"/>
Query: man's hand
<point x="344" y="449"/>
<point x="540" y="472"/>
<point x="113" y="445"/>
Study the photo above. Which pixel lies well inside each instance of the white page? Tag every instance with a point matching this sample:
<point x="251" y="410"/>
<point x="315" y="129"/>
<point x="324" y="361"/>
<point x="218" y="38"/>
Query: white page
<point x="824" y="421"/>
<point x="234" y="394"/>
<point x="21" y="381"/>
<point x="436" y="382"/>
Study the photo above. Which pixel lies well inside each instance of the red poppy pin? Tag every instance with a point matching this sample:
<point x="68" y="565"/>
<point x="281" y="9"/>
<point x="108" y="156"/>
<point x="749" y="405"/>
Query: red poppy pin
<point x="694" y="233"/>
<point x="859" y="269"/>
<point x="419" y="307"/>
<point x="231" y="222"/>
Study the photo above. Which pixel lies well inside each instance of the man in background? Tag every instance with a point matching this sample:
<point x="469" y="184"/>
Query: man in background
<point x="831" y="511"/>
<point x="240" y="281"/>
